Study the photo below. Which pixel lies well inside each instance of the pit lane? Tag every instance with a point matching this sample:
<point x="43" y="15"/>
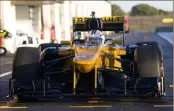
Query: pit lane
<point x="96" y="104"/>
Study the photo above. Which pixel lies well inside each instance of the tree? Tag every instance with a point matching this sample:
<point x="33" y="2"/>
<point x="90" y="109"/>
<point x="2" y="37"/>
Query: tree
<point x="143" y="10"/>
<point x="162" y="12"/>
<point x="117" y="11"/>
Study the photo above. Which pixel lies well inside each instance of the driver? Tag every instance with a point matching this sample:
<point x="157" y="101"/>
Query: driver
<point x="95" y="37"/>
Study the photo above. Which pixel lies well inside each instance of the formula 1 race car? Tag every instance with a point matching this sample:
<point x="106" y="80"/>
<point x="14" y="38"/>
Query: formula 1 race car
<point x="93" y="66"/>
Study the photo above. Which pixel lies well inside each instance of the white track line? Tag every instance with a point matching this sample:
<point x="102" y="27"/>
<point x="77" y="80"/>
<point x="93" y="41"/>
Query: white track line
<point x="5" y="74"/>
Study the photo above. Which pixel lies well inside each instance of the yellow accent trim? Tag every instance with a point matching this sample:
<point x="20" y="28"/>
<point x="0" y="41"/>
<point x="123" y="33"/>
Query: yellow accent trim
<point x="75" y="79"/>
<point x="96" y="75"/>
<point x="65" y="42"/>
<point x="116" y="41"/>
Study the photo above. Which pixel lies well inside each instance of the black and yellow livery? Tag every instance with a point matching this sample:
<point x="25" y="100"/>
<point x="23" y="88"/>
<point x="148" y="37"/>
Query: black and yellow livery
<point x="109" y="19"/>
<point x="67" y="69"/>
<point x="112" y="23"/>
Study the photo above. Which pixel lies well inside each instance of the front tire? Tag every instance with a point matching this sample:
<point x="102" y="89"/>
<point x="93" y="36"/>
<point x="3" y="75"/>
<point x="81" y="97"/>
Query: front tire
<point x="149" y="64"/>
<point x="26" y="68"/>
<point x="149" y="61"/>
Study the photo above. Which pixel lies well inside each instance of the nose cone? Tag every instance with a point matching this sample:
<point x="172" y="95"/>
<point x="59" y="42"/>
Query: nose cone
<point x="85" y="63"/>
<point x="86" y="58"/>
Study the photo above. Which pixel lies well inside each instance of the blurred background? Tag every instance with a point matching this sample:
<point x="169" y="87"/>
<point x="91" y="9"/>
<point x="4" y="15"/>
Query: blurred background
<point x="46" y="21"/>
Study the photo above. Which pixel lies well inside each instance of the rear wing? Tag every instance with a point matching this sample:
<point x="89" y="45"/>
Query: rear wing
<point x="111" y="23"/>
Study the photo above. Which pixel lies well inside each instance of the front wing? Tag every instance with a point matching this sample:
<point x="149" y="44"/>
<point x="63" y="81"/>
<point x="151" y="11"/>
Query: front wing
<point x="132" y="87"/>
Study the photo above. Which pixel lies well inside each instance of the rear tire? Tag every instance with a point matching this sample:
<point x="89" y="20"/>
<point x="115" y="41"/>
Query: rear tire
<point x="149" y="64"/>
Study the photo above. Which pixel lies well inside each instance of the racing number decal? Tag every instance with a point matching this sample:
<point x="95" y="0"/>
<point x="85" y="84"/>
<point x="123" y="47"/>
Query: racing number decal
<point x="111" y="19"/>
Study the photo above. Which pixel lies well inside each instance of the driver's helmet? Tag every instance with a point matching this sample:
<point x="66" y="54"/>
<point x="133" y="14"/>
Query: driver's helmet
<point x="95" y="37"/>
<point x="78" y="35"/>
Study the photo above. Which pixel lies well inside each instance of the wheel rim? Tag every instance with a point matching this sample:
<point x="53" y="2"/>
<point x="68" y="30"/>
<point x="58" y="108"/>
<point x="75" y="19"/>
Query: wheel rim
<point x="2" y="51"/>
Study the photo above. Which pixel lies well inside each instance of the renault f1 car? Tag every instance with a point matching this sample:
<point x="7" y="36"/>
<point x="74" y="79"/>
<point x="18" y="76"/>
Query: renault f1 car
<point x="94" y="66"/>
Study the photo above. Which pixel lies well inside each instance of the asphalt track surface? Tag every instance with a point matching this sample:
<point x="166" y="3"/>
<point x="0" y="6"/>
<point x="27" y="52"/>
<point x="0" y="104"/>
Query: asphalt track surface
<point x="126" y="105"/>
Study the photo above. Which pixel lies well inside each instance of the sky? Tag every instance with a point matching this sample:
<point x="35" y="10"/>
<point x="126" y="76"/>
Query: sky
<point x="127" y="5"/>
